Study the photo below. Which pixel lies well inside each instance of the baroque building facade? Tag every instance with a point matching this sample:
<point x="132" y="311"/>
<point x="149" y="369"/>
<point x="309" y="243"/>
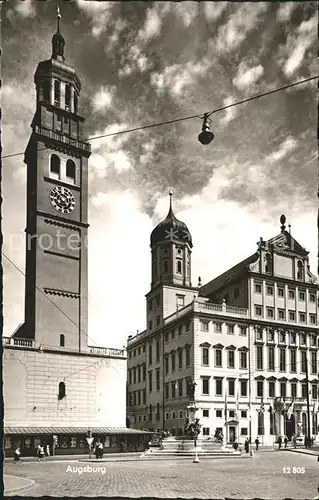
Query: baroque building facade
<point x="58" y="388"/>
<point x="249" y="340"/>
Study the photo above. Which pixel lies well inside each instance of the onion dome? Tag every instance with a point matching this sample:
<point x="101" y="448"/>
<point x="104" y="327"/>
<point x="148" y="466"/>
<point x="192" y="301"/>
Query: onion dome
<point x="171" y="229"/>
<point x="58" y="41"/>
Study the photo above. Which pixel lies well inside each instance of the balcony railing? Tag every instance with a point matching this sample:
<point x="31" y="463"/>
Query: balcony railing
<point x="63" y="138"/>
<point x="19" y="342"/>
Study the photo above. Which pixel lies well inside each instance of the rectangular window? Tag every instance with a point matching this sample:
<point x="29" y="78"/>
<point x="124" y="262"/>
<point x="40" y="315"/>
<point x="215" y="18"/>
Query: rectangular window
<point x="150" y="304"/>
<point x="282" y="360"/>
<point x="180" y="300"/>
<point x="219" y="387"/>
<point x="231" y="359"/>
<point x="158" y="299"/>
<point x="219" y="413"/>
<point x="302" y="295"/>
<point x="282" y="338"/>
<point x="271" y="358"/>
<point x="302" y="317"/>
<point x="217" y="328"/>
<point x="180" y="359"/>
<point x="180" y="388"/>
<point x="244" y="431"/>
<point x="303" y="361"/>
<point x="205" y="431"/>
<point x="231" y="387"/>
<point x="243" y="360"/>
<point x="293" y="390"/>
<point x="157" y="351"/>
<point x="139" y="374"/>
<point x="166" y="337"/>
<point x="270" y="312"/>
<point x="150" y="351"/>
<point x="293" y="360"/>
<point x="134" y="375"/>
<point x="303" y="339"/>
<point x="281" y="314"/>
<point x="258" y="288"/>
<point x="206" y="413"/>
<point x="166" y="365"/>
<point x="173" y="387"/>
<point x="271" y="337"/>
<point x="280" y="292"/>
<point x="291" y="294"/>
<point x="180" y="330"/>
<point x="150" y="325"/>
<point x="312" y="318"/>
<point x="260" y="388"/>
<point x="243" y="413"/>
<point x="313" y="340"/>
<point x="283" y="389"/>
<point x="180" y="414"/>
<point x="270" y="290"/>
<point x="260" y="365"/>
<point x="243" y="387"/>
<point x="312" y="297"/>
<point x="218" y="358"/>
<point x="173" y="362"/>
<point x="230" y="329"/>
<point x="150" y="381"/>
<point x="258" y="311"/>
<point x="243" y="330"/>
<point x="204" y="326"/>
<point x="303" y="390"/>
<point x="158" y="320"/>
<point x="166" y="416"/>
<point x="314" y="363"/>
<point x="271" y="389"/>
<point x="314" y="391"/>
<point x="188" y="356"/>
<point x="292" y="338"/>
<point x="205" y="356"/>
<point x="205" y="385"/>
<point x="173" y="334"/>
<point x="158" y="380"/>
<point x="144" y="373"/>
<point x="166" y="391"/>
<point x="292" y="316"/>
<point x="259" y="333"/>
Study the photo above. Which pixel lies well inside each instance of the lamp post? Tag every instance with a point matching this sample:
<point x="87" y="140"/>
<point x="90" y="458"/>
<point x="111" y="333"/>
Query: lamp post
<point x="308" y="437"/>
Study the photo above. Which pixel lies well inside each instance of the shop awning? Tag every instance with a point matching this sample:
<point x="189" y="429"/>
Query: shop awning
<point x="73" y="430"/>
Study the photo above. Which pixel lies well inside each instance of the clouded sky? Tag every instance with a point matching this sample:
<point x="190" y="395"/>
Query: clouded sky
<point x="146" y="62"/>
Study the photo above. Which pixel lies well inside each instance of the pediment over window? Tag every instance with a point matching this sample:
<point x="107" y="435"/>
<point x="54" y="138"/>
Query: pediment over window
<point x="205" y="344"/>
<point x="187" y="346"/>
<point x="218" y="346"/>
<point x="173" y="351"/>
<point x="282" y="379"/>
<point x="244" y="348"/>
<point x="293" y="380"/>
<point x="272" y="379"/>
<point x="303" y="380"/>
<point x="260" y="377"/>
<point x="313" y="381"/>
<point x="232" y="347"/>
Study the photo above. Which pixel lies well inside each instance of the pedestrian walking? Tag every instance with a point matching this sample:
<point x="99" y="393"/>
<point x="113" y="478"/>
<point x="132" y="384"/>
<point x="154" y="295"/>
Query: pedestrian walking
<point x="285" y="441"/>
<point x="47" y="450"/>
<point x="101" y="450"/>
<point x="16" y="455"/>
<point x="279" y="442"/>
<point x="257" y="443"/>
<point x="235" y="444"/>
<point x="246" y="445"/>
<point x="294" y="441"/>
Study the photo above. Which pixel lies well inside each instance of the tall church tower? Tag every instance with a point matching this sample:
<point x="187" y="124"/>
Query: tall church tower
<point x="56" y="287"/>
<point x="171" y="288"/>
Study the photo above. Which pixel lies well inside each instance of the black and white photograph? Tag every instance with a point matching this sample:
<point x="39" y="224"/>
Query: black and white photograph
<point x="159" y="221"/>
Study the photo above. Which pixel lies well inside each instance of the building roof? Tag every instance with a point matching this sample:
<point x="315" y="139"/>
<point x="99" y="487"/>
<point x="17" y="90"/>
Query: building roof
<point x="171" y="229"/>
<point x="72" y="430"/>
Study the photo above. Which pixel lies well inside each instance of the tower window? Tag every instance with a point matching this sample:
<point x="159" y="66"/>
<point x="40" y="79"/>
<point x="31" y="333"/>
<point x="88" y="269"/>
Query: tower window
<point x="75" y="102"/>
<point x="62" y="340"/>
<point x="46" y="91"/>
<point x="62" y="393"/>
<point x="57" y="93"/>
<point x="179" y="266"/>
<point x="70" y="170"/>
<point x="67" y="97"/>
<point x="268" y="263"/>
<point x="165" y="266"/>
<point x="55" y="165"/>
<point x="300" y="269"/>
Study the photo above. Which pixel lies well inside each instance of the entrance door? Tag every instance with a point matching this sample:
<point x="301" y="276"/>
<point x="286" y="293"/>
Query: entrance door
<point x="232" y="434"/>
<point x="290" y="427"/>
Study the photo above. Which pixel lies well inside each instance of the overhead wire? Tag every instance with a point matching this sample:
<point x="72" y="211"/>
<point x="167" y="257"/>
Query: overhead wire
<point x="185" y="118"/>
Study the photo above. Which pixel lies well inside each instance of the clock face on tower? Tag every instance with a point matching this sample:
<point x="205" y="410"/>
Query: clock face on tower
<point x="62" y="200"/>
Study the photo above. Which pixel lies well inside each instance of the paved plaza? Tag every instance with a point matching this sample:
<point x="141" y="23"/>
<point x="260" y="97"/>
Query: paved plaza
<point x="269" y="474"/>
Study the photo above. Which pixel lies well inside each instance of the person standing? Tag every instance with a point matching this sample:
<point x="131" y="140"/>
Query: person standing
<point x="285" y="441"/>
<point x="16" y="455"/>
<point x="279" y="442"/>
<point x="294" y="440"/>
<point x="246" y="445"/>
<point x="257" y="443"/>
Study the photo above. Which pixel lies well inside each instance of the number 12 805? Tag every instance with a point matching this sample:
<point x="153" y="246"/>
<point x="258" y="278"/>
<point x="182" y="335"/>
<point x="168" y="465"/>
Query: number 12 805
<point x="294" y="470"/>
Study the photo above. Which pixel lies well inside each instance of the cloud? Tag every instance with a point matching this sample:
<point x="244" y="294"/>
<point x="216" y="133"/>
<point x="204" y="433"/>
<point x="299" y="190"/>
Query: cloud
<point x="291" y="55"/>
<point x="179" y="77"/>
<point x="229" y="114"/>
<point x="286" y="147"/>
<point x="245" y="19"/>
<point x="99" y="12"/>
<point x="213" y="10"/>
<point x="103" y="98"/>
<point x="107" y="152"/>
<point x="245" y="76"/>
<point x="186" y="12"/>
<point x="285" y="11"/>
<point x="25" y="9"/>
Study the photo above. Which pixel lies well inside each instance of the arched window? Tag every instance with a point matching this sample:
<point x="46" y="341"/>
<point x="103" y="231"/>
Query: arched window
<point x="300" y="270"/>
<point x="62" y="393"/>
<point x="67" y="97"/>
<point x="268" y="263"/>
<point x="75" y="102"/>
<point x="55" y="165"/>
<point x="165" y="266"/>
<point x="62" y="340"/>
<point x="179" y="266"/>
<point x="57" y="93"/>
<point x="70" y="170"/>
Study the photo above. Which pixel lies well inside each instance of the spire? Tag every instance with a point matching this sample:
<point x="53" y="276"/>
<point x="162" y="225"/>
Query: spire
<point x="170" y="202"/>
<point x="58" y="41"/>
<point x="282" y="222"/>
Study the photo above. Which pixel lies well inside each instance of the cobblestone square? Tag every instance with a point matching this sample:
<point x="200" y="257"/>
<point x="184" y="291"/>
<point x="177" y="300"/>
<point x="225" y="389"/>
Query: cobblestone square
<point x="269" y="474"/>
